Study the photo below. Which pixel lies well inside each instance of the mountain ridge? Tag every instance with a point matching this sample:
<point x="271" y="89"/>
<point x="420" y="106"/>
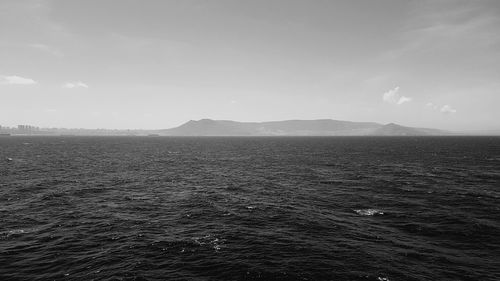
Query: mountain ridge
<point x="318" y="127"/>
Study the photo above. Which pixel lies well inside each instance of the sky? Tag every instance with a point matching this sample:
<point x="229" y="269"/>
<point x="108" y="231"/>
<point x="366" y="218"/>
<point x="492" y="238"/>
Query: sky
<point x="153" y="64"/>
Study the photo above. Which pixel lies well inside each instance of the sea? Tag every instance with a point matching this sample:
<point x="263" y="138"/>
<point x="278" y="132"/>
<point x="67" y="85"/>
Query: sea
<point x="249" y="208"/>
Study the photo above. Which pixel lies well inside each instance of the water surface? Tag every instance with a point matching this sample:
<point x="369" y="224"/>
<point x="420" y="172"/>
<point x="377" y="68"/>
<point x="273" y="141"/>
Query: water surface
<point x="339" y="208"/>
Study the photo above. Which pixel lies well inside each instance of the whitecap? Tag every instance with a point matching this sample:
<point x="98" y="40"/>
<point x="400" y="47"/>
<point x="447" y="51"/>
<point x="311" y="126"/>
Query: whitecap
<point x="210" y="241"/>
<point x="368" y="212"/>
<point x="13" y="232"/>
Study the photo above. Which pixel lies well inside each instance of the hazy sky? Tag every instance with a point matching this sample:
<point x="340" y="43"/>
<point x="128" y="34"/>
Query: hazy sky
<point x="156" y="64"/>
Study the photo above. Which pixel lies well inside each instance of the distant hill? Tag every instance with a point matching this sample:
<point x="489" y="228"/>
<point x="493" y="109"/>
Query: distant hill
<point x="392" y="129"/>
<point x="322" y="127"/>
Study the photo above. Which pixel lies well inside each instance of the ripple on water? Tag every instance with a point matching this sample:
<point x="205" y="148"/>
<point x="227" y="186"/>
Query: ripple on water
<point x="249" y="209"/>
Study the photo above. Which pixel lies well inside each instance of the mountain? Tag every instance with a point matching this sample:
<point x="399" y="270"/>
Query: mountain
<point x="322" y="127"/>
<point x="392" y="129"/>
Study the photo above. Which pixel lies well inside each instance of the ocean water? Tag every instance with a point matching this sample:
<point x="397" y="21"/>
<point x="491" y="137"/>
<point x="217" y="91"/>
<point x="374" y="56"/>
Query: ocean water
<point x="339" y="208"/>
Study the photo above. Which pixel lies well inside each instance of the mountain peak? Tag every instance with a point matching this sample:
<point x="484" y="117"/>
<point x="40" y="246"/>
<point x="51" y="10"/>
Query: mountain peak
<point x="393" y="129"/>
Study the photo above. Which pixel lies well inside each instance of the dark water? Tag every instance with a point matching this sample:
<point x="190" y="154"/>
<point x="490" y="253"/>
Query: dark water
<point x="84" y="208"/>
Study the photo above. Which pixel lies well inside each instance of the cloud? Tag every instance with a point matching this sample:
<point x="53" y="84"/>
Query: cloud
<point x="448" y="109"/>
<point x="393" y="97"/>
<point x="72" y="85"/>
<point x="432" y="106"/>
<point x="390" y="96"/>
<point x="15" y="80"/>
<point x="404" y="99"/>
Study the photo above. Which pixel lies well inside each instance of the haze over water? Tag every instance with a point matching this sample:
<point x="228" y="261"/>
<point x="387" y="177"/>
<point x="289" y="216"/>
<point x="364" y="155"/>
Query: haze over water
<point x="344" y="208"/>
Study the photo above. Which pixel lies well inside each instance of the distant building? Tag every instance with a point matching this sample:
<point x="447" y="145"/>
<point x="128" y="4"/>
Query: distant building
<point x="27" y="129"/>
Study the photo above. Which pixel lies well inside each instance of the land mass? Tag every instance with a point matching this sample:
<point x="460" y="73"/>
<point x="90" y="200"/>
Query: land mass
<point x="209" y="127"/>
<point x="322" y="127"/>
